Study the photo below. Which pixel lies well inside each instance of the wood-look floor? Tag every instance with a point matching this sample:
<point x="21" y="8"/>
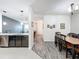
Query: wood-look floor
<point x="47" y="50"/>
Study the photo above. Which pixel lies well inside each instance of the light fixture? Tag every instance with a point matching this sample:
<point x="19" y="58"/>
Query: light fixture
<point x="73" y="7"/>
<point x="4" y="23"/>
<point x="22" y="15"/>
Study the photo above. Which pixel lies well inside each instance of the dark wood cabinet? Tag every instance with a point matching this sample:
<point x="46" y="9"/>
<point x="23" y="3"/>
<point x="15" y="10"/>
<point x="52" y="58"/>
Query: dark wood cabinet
<point x="18" y="41"/>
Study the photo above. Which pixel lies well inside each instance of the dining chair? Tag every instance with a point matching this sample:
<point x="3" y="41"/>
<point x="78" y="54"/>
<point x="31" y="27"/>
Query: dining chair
<point x="68" y="49"/>
<point x="56" y="38"/>
<point x="61" y="42"/>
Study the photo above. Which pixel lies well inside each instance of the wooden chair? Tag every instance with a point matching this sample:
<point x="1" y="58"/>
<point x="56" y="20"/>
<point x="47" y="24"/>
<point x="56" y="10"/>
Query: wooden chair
<point x="76" y="52"/>
<point x="77" y="48"/>
<point x="63" y="41"/>
<point x="62" y="44"/>
<point x="56" y="38"/>
<point x="68" y="49"/>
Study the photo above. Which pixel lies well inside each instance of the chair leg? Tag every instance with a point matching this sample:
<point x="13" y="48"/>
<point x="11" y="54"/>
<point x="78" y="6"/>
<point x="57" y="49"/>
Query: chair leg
<point x="60" y="47"/>
<point x="78" y="56"/>
<point x="56" y="41"/>
<point x="66" y="53"/>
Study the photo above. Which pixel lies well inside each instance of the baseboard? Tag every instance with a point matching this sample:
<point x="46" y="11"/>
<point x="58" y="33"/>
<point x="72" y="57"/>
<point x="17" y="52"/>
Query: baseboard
<point x="48" y="41"/>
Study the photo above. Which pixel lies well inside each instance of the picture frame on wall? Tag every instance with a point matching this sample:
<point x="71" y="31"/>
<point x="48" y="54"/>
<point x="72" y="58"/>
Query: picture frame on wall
<point x="62" y="25"/>
<point x="51" y="26"/>
<point x="54" y="26"/>
<point x="48" y="26"/>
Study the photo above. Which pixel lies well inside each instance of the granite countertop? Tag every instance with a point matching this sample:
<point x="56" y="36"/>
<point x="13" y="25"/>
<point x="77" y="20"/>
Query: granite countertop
<point x="14" y="33"/>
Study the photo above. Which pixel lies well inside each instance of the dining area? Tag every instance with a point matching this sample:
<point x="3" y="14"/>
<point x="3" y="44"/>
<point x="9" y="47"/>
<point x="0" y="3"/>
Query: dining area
<point x="68" y="43"/>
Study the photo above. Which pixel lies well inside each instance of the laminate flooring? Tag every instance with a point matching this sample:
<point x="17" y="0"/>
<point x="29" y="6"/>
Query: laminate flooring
<point x="47" y="50"/>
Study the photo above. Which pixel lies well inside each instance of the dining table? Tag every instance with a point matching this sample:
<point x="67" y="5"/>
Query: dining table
<point x="74" y="42"/>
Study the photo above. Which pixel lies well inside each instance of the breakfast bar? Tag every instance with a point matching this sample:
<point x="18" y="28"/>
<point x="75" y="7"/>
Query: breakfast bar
<point x="14" y="39"/>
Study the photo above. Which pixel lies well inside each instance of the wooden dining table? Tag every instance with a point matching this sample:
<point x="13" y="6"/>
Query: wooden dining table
<point x="73" y="41"/>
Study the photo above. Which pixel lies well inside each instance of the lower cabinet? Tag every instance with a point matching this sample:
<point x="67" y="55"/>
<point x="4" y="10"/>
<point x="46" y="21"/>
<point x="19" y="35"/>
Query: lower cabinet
<point x="18" y="41"/>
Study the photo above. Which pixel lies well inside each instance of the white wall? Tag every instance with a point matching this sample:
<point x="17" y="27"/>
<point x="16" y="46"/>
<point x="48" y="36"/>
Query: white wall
<point x="0" y="23"/>
<point x="75" y="23"/>
<point x="30" y="17"/>
<point x="55" y="19"/>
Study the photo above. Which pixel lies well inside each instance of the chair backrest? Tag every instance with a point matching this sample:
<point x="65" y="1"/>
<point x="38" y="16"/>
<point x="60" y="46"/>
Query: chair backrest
<point x="74" y="35"/>
<point x="78" y="36"/>
<point x="57" y="33"/>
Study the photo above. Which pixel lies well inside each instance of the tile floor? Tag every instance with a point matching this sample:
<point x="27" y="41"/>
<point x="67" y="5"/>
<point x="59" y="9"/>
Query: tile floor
<point x="17" y="53"/>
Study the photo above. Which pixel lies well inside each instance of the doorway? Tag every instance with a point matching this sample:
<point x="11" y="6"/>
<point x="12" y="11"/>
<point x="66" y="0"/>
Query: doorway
<point x="37" y="28"/>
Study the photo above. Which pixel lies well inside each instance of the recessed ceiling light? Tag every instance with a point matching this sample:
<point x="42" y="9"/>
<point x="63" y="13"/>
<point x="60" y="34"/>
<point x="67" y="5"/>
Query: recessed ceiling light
<point x="22" y="11"/>
<point x="4" y="11"/>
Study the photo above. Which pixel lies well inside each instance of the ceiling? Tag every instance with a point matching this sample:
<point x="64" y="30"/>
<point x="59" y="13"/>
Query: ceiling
<point x="13" y="7"/>
<point x="52" y="6"/>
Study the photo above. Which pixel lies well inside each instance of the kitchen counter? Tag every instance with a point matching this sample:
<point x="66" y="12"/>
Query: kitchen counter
<point x="11" y="34"/>
<point x="14" y="39"/>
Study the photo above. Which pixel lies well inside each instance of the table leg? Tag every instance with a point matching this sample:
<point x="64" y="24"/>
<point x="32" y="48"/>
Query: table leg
<point x="73" y="52"/>
<point x="60" y="45"/>
<point x="55" y="41"/>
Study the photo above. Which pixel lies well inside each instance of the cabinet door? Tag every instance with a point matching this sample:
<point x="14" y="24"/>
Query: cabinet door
<point x="18" y="41"/>
<point x="25" y="41"/>
<point x="12" y="41"/>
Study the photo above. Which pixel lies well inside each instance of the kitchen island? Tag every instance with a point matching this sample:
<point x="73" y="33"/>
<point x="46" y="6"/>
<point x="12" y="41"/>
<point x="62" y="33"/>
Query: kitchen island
<point x="14" y="39"/>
